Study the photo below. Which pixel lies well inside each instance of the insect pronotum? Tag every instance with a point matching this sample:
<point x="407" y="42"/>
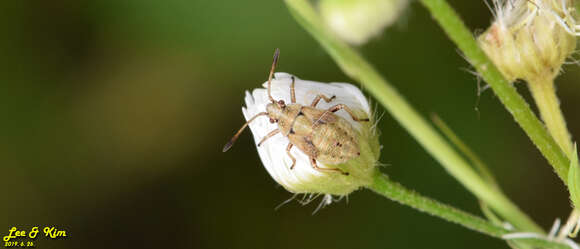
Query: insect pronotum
<point x="319" y="133"/>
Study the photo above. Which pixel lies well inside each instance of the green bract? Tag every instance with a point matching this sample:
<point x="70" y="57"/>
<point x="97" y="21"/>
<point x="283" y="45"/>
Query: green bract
<point x="574" y="180"/>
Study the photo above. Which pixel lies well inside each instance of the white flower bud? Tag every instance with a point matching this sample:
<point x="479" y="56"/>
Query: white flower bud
<point x="356" y="21"/>
<point x="530" y="39"/>
<point x="303" y="178"/>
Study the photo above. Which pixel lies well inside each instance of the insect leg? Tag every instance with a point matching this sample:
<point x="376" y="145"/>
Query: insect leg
<point x="290" y="155"/>
<point x="233" y="140"/>
<point x="271" y="134"/>
<point x="319" y="96"/>
<point x="292" y="91"/>
<point x="344" y="107"/>
<point x="315" y="166"/>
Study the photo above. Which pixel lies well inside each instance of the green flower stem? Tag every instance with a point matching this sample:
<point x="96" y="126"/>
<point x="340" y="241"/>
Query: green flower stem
<point x="359" y="69"/>
<point x="544" y="94"/>
<point x="382" y="185"/>
<point x="514" y="103"/>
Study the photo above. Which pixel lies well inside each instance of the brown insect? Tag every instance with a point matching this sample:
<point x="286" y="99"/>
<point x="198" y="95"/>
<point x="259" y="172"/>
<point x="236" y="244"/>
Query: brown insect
<point x="320" y="134"/>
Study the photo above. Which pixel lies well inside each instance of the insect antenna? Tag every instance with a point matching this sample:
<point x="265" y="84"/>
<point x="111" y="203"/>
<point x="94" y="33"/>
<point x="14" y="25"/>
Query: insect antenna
<point x="274" y="62"/>
<point x="233" y="140"/>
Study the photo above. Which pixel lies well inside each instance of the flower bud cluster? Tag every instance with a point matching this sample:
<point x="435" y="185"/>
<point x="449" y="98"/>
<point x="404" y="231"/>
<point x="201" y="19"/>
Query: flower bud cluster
<point x="530" y="39"/>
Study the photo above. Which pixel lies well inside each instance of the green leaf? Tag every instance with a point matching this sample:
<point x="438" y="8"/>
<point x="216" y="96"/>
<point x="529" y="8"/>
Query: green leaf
<point x="574" y="179"/>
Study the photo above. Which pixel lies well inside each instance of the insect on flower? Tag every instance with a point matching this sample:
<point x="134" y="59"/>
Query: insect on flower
<point x="319" y="133"/>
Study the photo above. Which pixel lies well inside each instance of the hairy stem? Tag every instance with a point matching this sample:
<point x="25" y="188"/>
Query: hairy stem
<point x="354" y="65"/>
<point x="544" y="94"/>
<point x="396" y="192"/>
<point x="382" y="185"/>
<point x="513" y="102"/>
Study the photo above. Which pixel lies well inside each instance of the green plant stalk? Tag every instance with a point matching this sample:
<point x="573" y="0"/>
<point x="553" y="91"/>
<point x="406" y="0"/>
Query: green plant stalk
<point x="544" y="94"/>
<point x="382" y="185"/>
<point x="545" y="97"/>
<point x="396" y="192"/>
<point x="359" y="69"/>
<point x="513" y="102"/>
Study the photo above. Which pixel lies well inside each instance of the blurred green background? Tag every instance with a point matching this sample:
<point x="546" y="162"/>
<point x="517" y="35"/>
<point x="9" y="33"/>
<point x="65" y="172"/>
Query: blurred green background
<point x="114" y="114"/>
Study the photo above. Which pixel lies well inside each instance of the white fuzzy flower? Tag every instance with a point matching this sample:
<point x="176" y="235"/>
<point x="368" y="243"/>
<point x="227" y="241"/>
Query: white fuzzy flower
<point x="303" y="178"/>
<point x="530" y="39"/>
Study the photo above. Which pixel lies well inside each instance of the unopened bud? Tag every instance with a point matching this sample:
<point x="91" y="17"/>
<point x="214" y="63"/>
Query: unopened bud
<point x="356" y="21"/>
<point x="530" y="39"/>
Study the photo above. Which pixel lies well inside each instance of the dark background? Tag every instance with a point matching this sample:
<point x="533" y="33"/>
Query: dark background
<point x="114" y="113"/>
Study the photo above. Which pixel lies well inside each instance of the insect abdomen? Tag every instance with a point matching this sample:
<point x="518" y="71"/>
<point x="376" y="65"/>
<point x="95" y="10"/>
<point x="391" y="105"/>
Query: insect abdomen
<point x="336" y="142"/>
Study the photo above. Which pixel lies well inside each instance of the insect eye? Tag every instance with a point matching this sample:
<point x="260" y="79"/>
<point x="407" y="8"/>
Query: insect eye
<point x="281" y="103"/>
<point x="272" y="120"/>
